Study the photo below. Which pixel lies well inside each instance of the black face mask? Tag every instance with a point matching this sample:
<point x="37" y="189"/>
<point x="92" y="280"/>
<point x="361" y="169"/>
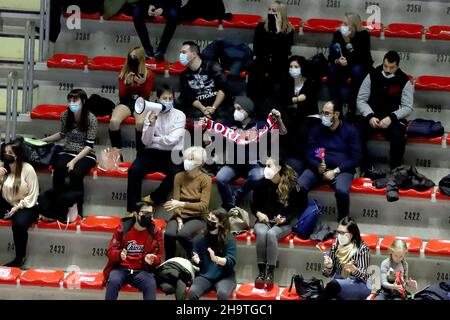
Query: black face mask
<point x="133" y="63"/>
<point x="272" y="22"/>
<point x="8" y="159"/>
<point x="211" y="226"/>
<point x="145" y="220"/>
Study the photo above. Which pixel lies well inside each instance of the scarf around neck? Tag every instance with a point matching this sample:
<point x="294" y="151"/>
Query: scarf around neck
<point x="345" y="255"/>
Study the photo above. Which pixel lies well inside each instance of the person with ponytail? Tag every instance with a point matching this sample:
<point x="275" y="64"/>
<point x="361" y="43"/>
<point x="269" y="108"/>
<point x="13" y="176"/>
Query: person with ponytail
<point x="215" y="253"/>
<point x="79" y="129"/>
<point x="189" y="204"/>
<point x="276" y="206"/>
<point x="347" y="263"/>
<point x="19" y="193"/>
<point x="134" y="252"/>
<point x="392" y="266"/>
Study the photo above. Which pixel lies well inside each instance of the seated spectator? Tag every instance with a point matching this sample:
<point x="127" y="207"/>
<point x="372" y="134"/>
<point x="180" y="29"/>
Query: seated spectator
<point x="350" y="57"/>
<point x="150" y="9"/>
<point x="134" y="251"/>
<point x="342" y="148"/>
<point x="272" y="44"/>
<point x="393" y="270"/>
<point x="276" y="206"/>
<point x="203" y="87"/>
<point x="135" y="81"/>
<point x="215" y="254"/>
<point x="244" y="124"/>
<point x="190" y="202"/>
<point x="298" y="96"/>
<point x="347" y="263"/>
<point x="19" y="193"/>
<point x="163" y="133"/>
<point x="79" y="128"/>
<point x="385" y="100"/>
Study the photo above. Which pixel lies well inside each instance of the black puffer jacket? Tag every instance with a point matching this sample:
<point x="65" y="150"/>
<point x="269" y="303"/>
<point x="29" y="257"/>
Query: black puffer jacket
<point x="403" y="178"/>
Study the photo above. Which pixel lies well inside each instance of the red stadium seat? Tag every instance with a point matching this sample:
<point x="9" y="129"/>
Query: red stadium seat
<point x="106" y="63"/>
<point x="414" y="243"/>
<point x="42" y="278"/>
<point x="374" y="29"/>
<point x="411" y="193"/>
<point x="121" y="17"/>
<point x="100" y="224"/>
<point x="9" y="275"/>
<point x="322" y="25"/>
<point x="296" y="22"/>
<point x="242" y="237"/>
<point x="438" y="33"/>
<point x="438" y="140"/>
<point x="84" y="280"/>
<point x="161" y="223"/>
<point x="59" y="226"/>
<point x="48" y="112"/>
<point x="156" y="67"/>
<point x="286" y="239"/>
<point x="310" y="243"/>
<point x="404" y="30"/>
<point x="286" y="295"/>
<point x="247" y="291"/>
<point x="244" y="21"/>
<point x="5" y="223"/>
<point x="176" y="68"/>
<point x="365" y="186"/>
<point x="436" y="247"/>
<point x="433" y="83"/>
<point x="371" y="240"/>
<point x="439" y="195"/>
<point x="68" y="61"/>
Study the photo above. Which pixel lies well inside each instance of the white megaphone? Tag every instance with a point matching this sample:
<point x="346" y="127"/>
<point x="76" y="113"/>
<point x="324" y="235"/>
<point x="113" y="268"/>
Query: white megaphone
<point x="142" y="105"/>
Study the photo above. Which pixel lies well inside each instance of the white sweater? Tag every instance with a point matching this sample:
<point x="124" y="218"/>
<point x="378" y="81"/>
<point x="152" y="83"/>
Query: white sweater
<point x="28" y="190"/>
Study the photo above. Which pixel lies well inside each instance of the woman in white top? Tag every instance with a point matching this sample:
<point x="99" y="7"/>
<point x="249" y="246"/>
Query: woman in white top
<point x="19" y="193"/>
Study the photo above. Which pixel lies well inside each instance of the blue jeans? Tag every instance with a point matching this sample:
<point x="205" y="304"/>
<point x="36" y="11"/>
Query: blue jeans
<point x="341" y="185"/>
<point x="352" y="289"/>
<point x="140" y="279"/>
<point x="296" y="164"/>
<point x="228" y="173"/>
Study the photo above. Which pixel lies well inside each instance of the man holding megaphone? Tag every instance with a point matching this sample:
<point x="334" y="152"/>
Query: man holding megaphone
<point x="163" y="133"/>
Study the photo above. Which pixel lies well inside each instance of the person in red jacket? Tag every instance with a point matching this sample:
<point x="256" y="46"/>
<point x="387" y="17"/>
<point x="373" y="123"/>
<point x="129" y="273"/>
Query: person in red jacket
<point x="135" y="81"/>
<point x="134" y="251"/>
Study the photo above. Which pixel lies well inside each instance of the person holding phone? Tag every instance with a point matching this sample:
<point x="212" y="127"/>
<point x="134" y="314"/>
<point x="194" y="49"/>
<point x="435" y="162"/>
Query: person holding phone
<point x="190" y="202"/>
<point x="135" y="81"/>
<point x="19" y="193"/>
<point x="276" y="206"/>
<point x="134" y="251"/>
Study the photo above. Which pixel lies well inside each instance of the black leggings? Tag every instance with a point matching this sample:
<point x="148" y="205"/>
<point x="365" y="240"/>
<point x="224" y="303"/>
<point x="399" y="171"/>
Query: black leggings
<point x="21" y="222"/>
<point x="76" y="176"/>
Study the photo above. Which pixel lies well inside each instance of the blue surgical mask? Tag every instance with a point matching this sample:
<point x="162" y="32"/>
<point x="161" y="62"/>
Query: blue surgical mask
<point x="74" y="107"/>
<point x="184" y="59"/>
<point x="326" y="121"/>
<point x="167" y="105"/>
<point x="295" y="72"/>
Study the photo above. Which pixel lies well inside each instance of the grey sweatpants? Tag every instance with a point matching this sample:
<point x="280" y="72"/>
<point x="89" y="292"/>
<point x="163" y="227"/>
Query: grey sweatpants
<point x="223" y="287"/>
<point x="267" y="241"/>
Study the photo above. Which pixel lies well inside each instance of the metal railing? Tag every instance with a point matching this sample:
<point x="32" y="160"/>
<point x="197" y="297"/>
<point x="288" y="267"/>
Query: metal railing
<point x="44" y="29"/>
<point x="11" y="106"/>
<point x="28" y="66"/>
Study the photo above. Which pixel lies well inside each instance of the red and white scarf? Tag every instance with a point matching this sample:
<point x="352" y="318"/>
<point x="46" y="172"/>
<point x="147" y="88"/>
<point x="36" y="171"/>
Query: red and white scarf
<point x="234" y="136"/>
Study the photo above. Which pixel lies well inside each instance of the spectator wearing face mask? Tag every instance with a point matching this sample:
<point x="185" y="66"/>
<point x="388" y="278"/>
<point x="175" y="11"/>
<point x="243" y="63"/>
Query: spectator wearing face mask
<point x="135" y="81"/>
<point x="163" y="133"/>
<point x="347" y="263"/>
<point x="276" y="205"/>
<point x="244" y="161"/>
<point x="215" y="254"/>
<point x="272" y="44"/>
<point x="342" y="154"/>
<point x="134" y="251"/>
<point x="190" y="202"/>
<point x="298" y="96"/>
<point x="385" y="100"/>
<point x="350" y="57"/>
<point x="19" y="193"/>
<point x="79" y="128"/>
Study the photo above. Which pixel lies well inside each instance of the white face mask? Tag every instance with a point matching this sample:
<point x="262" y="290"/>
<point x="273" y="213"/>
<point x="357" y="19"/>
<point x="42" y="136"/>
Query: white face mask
<point x="345" y="31"/>
<point x="326" y="121"/>
<point x="189" y="165"/>
<point x="184" y="60"/>
<point x="269" y="173"/>
<point x="295" y="72"/>
<point x="343" y="239"/>
<point x="239" y="116"/>
<point x="388" y="76"/>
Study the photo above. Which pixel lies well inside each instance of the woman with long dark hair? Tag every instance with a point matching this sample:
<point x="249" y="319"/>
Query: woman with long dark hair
<point x="79" y="128"/>
<point x="347" y="263"/>
<point x="215" y="253"/>
<point x="19" y="193"/>
<point x="276" y="205"/>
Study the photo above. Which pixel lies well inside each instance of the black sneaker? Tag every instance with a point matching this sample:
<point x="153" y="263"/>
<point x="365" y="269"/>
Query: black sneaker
<point x="16" y="263"/>
<point x="159" y="57"/>
<point x="373" y="174"/>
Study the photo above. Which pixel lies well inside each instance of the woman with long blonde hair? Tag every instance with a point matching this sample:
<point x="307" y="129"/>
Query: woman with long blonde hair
<point x="276" y="206"/>
<point x="135" y="81"/>
<point x="272" y="44"/>
<point x="350" y="57"/>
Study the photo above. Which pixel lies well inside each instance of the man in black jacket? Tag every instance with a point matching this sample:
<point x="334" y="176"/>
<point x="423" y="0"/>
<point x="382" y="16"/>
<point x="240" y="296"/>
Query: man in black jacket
<point x="385" y="99"/>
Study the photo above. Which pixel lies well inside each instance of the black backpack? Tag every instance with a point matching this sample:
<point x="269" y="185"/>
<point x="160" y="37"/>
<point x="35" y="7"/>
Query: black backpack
<point x="444" y="185"/>
<point x="100" y="106"/>
<point x="55" y="204"/>
<point x="316" y="67"/>
<point x="307" y="289"/>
